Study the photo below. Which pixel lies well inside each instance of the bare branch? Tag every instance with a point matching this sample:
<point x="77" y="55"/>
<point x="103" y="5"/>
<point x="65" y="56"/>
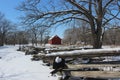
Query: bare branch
<point x="78" y="5"/>
<point x="108" y="3"/>
<point x="108" y="20"/>
<point x="69" y="18"/>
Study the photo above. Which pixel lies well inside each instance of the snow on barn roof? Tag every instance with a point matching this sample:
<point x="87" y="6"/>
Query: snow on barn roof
<point x="53" y="37"/>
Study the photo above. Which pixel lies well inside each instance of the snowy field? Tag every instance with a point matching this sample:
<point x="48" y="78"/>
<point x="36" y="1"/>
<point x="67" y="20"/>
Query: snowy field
<point x="14" y="65"/>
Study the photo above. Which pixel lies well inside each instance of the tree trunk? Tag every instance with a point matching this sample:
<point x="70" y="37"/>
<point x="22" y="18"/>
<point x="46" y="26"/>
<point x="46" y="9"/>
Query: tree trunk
<point x="97" y="39"/>
<point x="2" y="41"/>
<point x="1" y="44"/>
<point x="97" y="43"/>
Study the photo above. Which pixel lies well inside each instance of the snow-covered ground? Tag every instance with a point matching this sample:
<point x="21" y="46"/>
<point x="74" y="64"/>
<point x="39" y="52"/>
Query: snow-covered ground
<point x="14" y="65"/>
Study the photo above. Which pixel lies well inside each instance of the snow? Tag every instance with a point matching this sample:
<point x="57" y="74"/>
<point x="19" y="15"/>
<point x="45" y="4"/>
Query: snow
<point x="14" y="65"/>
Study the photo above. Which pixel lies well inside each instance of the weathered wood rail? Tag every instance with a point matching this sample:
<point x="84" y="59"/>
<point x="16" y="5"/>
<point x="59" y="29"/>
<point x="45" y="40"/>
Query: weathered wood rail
<point x="97" y="74"/>
<point x="92" y="65"/>
<point x="76" y="70"/>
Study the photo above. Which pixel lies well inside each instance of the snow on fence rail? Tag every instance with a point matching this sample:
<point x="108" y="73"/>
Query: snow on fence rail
<point x="87" y="53"/>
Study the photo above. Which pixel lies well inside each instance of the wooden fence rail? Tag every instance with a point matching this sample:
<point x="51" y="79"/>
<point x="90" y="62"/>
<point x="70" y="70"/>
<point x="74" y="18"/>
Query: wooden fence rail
<point x="97" y="74"/>
<point x="92" y="65"/>
<point x="76" y="70"/>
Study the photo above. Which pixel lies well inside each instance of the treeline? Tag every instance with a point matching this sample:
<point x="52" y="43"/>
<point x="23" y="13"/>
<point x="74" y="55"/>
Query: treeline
<point x="11" y="34"/>
<point x="5" y="28"/>
<point x="82" y="35"/>
<point x="112" y="36"/>
<point x="19" y="37"/>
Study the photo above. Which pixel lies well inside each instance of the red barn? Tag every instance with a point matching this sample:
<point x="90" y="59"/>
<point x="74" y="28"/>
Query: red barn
<point x="55" y="40"/>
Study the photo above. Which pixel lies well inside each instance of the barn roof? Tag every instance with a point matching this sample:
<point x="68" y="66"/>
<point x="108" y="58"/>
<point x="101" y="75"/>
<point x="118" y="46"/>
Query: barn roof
<point x="53" y="37"/>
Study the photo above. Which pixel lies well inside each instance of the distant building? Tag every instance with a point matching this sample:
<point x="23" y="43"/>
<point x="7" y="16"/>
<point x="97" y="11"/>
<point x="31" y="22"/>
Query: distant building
<point x="55" y="40"/>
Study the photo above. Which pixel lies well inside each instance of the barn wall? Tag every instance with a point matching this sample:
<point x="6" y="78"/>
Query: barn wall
<point x="55" y="40"/>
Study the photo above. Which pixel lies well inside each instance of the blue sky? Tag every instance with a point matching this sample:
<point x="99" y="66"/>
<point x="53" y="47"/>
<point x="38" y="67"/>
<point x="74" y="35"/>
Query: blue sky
<point x="7" y="7"/>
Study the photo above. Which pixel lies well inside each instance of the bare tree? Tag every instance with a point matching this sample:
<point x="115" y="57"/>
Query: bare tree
<point x="97" y="13"/>
<point x="68" y="36"/>
<point x="37" y="33"/>
<point x="112" y="36"/>
<point x="80" y="34"/>
<point x="11" y="37"/>
<point x="22" y="37"/>
<point x="5" y="27"/>
<point x="33" y="35"/>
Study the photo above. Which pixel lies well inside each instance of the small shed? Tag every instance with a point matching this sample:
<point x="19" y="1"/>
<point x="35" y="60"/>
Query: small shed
<point x="55" y="40"/>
